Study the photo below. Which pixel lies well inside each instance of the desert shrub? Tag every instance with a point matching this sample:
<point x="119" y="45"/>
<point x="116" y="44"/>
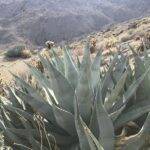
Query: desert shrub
<point x="144" y="21"/>
<point x="125" y="38"/>
<point x="130" y="32"/>
<point x="18" y="51"/>
<point x="111" y="42"/>
<point x="132" y="25"/>
<point x="26" y="54"/>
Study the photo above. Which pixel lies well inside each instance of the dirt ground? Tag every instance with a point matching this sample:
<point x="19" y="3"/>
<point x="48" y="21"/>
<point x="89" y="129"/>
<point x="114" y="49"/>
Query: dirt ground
<point x="16" y="66"/>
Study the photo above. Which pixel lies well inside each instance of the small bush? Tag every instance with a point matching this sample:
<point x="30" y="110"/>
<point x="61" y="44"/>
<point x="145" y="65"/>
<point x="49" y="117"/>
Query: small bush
<point x="18" y="51"/>
<point x="26" y="54"/>
<point x="132" y="25"/>
<point x="125" y="38"/>
<point x="130" y="32"/>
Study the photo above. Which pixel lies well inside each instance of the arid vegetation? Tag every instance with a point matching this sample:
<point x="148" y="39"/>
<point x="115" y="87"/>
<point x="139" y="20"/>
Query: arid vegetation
<point x="80" y="105"/>
<point x="81" y="96"/>
<point x="18" y="52"/>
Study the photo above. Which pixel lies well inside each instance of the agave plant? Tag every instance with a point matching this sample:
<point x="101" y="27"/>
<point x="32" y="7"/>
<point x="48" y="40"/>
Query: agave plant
<point x="142" y="138"/>
<point x="79" y="107"/>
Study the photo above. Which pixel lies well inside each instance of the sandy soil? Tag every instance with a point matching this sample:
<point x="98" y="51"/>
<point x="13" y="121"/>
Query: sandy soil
<point x="15" y="66"/>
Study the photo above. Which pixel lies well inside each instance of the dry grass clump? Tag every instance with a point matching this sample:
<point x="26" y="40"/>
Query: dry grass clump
<point x="37" y="63"/>
<point x="125" y="37"/>
<point x="143" y="43"/>
<point x="133" y="25"/>
<point x="26" y="54"/>
<point x="144" y="21"/>
<point x="111" y="42"/>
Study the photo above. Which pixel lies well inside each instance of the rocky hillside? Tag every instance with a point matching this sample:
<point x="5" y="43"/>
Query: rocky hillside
<point x="32" y="22"/>
<point x="121" y="34"/>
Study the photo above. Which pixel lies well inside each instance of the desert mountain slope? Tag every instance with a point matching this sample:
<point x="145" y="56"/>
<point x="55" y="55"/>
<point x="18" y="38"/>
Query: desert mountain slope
<point x="33" y="22"/>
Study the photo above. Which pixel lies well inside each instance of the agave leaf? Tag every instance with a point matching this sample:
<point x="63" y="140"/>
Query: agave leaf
<point x="2" y="126"/>
<point x="94" y="127"/>
<point x="38" y="106"/>
<point x="43" y="108"/>
<point x="30" y="90"/>
<point x="22" y="105"/>
<point x="6" y="119"/>
<point x="133" y="87"/>
<point x="13" y="139"/>
<point x="133" y="143"/>
<point x="62" y="89"/>
<point x="86" y="62"/>
<point x="46" y="63"/>
<point x="28" y="133"/>
<point x="4" y="101"/>
<point x="96" y="69"/>
<point x="61" y="140"/>
<point x="36" y="145"/>
<point x="119" y="70"/>
<point x="143" y="89"/>
<point x="132" y="49"/>
<point x="115" y="114"/>
<point x="86" y="138"/>
<point x="65" y="120"/>
<point x="71" y="72"/>
<point x="130" y="91"/>
<point x="107" y="78"/>
<point x="14" y="100"/>
<point x="59" y="63"/>
<point x="22" y="132"/>
<point x="83" y="139"/>
<point x="84" y="90"/>
<point x="92" y="138"/>
<point x="132" y="113"/>
<point x="106" y="128"/>
<point x="78" y="62"/>
<point x="147" y="60"/>
<point x="53" y="62"/>
<point x="49" y="97"/>
<point x="116" y="91"/>
<point x="20" y="112"/>
<point x="120" y="67"/>
<point x="39" y="76"/>
<point x="139" y="67"/>
<point x="26" y="125"/>
<point x="145" y="52"/>
<point x="130" y="76"/>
